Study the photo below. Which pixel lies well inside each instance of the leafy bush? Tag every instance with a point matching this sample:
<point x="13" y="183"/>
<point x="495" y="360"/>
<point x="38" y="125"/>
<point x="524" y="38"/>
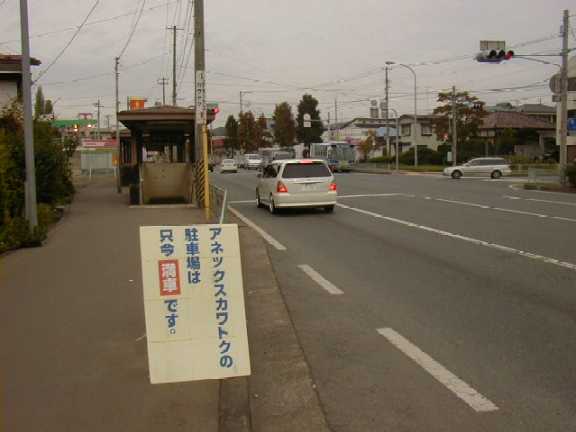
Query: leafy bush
<point x="381" y="159"/>
<point x="426" y="156"/>
<point x="571" y="174"/>
<point x="53" y="179"/>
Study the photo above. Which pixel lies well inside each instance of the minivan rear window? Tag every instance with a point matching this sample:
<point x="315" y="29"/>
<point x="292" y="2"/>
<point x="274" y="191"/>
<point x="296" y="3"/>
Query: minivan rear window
<point x="305" y="170"/>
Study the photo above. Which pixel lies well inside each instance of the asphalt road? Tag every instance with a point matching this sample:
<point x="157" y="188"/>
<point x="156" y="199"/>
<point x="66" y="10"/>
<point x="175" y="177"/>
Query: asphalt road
<point x="428" y="304"/>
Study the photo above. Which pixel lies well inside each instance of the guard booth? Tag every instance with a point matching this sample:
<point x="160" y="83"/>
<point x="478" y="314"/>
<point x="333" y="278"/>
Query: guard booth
<point x="158" y="156"/>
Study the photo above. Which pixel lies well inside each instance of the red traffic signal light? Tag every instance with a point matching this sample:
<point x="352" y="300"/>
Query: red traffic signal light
<point x="494" y="56"/>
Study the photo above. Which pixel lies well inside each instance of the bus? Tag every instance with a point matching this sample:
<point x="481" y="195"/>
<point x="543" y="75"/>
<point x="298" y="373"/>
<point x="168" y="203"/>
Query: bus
<point x="339" y="155"/>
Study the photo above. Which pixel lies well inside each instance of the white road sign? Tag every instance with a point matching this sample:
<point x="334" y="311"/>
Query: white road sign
<point x="307" y="120"/>
<point x="194" y="303"/>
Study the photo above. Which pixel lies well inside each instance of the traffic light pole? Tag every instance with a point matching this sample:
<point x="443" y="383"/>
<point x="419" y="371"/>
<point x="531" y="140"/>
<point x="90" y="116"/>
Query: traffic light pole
<point x="31" y="206"/>
<point x="564" y="98"/>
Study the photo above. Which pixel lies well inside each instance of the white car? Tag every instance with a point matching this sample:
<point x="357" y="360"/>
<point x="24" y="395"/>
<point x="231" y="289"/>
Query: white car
<point x="228" y="165"/>
<point x="488" y="167"/>
<point x="296" y="183"/>
<point x="252" y="161"/>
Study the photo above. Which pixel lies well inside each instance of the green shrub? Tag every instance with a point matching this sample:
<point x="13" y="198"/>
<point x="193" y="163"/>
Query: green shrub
<point x="571" y="174"/>
<point x="381" y="159"/>
<point x="426" y="156"/>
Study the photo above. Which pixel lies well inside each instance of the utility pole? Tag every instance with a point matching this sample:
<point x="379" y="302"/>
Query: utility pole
<point x="107" y="121"/>
<point x="98" y="106"/>
<point x="336" y="110"/>
<point x="200" y="140"/>
<point x="31" y="206"/>
<point x="454" y="129"/>
<point x="386" y="102"/>
<point x="174" y="29"/>
<point x="117" y="108"/>
<point x="163" y="82"/>
<point x="564" y="98"/>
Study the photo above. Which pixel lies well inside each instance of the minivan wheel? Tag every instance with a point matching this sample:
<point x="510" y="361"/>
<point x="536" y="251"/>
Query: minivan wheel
<point x="456" y="175"/>
<point x="271" y="206"/>
<point x="329" y="209"/>
<point x="496" y="175"/>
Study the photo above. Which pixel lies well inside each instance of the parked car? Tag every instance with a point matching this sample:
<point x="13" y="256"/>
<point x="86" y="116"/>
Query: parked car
<point x="252" y="161"/>
<point x="295" y="183"/>
<point x="228" y="165"/>
<point x="488" y="167"/>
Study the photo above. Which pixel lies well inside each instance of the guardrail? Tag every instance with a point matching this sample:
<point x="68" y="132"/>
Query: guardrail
<point x="218" y="202"/>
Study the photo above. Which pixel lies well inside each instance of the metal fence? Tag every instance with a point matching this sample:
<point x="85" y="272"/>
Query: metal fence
<point x="543" y="175"/>
<point x="218" y="202"/>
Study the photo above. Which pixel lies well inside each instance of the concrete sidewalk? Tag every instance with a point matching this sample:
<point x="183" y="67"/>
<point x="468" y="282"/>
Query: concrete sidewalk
<point x="74" y="356"/>
<point x="74" y="349"/>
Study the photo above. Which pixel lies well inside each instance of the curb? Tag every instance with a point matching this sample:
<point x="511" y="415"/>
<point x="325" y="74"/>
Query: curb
<point x="280" y="395"/>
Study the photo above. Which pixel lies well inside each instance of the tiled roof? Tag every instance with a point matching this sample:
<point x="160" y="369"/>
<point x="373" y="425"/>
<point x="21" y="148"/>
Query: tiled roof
<point x="514" y="120"/>
<point x="16" y="59"/>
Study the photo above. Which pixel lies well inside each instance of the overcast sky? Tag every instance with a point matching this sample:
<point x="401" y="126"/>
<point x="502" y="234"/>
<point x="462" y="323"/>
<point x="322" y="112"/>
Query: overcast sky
<point x="332" y="49"/>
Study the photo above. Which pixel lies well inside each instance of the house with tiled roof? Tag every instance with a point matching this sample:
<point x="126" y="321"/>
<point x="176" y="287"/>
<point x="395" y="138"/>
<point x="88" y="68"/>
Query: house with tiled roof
<point x="534" y="136"/>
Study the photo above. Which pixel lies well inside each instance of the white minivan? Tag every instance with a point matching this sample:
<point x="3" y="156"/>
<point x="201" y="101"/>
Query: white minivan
<point x="296" y="183"/>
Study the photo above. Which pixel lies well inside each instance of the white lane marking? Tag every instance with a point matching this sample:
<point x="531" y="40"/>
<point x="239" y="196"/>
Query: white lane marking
<point x="573" y="204"/>
<point x="243" y="202"/>
<point x="320" y="280"/>
<point x="376" y="195"/>
<point x="460" y="202"/>
<point x="475" y="400"/>
<point x="486" y="207"/>
<point x="443" y="233"/>
<point x="271" y="240"/>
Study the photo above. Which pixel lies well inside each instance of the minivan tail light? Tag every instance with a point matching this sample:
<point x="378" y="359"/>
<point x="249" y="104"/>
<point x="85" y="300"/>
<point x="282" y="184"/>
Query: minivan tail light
<point x="281" y="188"/>
<point x="333" y="187"/>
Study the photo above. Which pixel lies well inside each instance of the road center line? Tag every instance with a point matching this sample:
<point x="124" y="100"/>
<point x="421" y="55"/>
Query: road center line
<point x="320" y="280"/>
<point x="271" y="240"/>
<point x="505" y="210"/>
<point x="475" y="400"/>
<point x="443" y="233"/>
<point x="573" y="204"/>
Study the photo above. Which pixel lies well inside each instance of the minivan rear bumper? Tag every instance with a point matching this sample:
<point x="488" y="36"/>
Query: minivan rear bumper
<point x="304" y="200"/>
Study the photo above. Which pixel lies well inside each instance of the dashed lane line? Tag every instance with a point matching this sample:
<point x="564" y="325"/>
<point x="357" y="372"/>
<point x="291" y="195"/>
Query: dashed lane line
<point x="320" y="280"/>
<point x="533" y="256"/>
<point x="475" y="400"/>
<point x="271" y="240"/>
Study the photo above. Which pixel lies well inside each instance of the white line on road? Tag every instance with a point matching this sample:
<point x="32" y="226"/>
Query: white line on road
<point x="475" y="400"/>
<point x="573" y="204"/>
<point x="487" y="207"/>
<point x="320" y="280"/>
<point x="443" y="233"/>
<point x="243" y="202"/>
<point x="271" y="240"/>
<point x="376" y="195"/>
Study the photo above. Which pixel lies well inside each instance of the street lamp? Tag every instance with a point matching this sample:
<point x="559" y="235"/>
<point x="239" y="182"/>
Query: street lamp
<point x="415" y="107"/>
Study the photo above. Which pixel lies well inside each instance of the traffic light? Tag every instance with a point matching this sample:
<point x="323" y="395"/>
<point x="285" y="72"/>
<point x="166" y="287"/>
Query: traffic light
<point x="494" y="56"/>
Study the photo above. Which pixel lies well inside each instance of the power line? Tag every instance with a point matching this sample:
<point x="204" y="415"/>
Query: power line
<point x="133" y="30"/>
<point x="80" y="27"/>
<point x="90" y="23"/>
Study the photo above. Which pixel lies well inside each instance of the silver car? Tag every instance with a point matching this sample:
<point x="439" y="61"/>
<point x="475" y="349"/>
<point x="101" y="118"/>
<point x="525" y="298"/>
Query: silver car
<point x="487" y="167"/>
<point x="296" y="183"/>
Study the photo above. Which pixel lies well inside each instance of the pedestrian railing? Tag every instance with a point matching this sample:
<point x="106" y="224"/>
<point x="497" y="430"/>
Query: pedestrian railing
<point x="218" y="202"/>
